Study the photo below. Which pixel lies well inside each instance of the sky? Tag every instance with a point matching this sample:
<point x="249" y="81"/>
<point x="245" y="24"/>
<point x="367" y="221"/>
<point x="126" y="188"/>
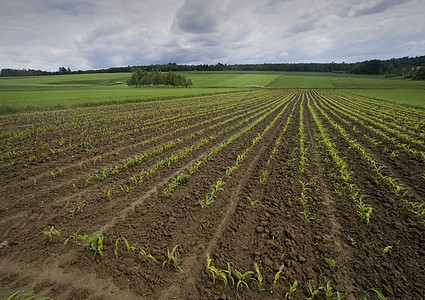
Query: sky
<point x="94" y="34"/>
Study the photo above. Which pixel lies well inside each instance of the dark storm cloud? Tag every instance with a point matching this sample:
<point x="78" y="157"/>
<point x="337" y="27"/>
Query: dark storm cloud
<point x="197" y="17"/>
<point x="375" y="7"/>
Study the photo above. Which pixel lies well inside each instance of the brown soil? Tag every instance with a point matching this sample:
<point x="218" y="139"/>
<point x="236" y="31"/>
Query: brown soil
<point x="270" y="233"/>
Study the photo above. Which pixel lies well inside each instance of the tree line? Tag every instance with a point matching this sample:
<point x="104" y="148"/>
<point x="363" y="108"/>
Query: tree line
<point x="141" y="77"/>
<point x="403" y="67"/>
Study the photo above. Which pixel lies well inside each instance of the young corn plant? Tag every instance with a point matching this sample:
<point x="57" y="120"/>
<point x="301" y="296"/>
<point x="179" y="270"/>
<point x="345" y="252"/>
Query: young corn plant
<point x="378" y="294"/>
<point x="109" y="194"/>
<point x="277" y="275"/>
<point x="313" y="290"/>
<point x="129" y="247"/>
<point x="78" y="208"/>
<point x="259" y="277"/>
<point x="74" y="237"/>
<point x="252" y="202"/>
<point x="210" y="197"/>
<point x="146" y="256"/>
<point x="94" y="243"/>
<point x="386" y="250"/>
<point x="292" y="288"/>
<point x="229" y="274"/>
<point x="214" y="271"/>
<point x="20" y="295"/>
<point x="241" y="279"/>
<point x="172" y="259"/>
<point x="53" y="232"/>
<point x="263" y="177"/>
<point x="330" y="294"/>
<point x="364" y="210"/>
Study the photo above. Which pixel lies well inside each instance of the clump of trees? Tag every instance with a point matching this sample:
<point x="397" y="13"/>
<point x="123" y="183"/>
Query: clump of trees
<point x="417" y="73"/>
<point x="141" y="77"/>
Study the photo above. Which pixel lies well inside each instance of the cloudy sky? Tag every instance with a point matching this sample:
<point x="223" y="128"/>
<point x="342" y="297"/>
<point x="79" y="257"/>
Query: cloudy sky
<point x="91" y="34"/>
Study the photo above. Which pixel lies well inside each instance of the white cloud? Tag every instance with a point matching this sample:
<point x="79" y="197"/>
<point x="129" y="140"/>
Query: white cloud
<point x="46" y="34"/>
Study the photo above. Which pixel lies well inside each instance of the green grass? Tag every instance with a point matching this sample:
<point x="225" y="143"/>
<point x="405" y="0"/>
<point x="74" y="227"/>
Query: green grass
<point x="230" y="79"/>
<point x="415" y="98"/>
<point x="374" y="82"/>
<point x="301" y="82"/>
<point x="62" y="91"/>
<point x="36" y="100"/>
<point x="36" y="93"/>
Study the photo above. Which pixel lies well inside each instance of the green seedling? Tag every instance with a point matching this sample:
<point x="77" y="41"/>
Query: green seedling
<point x="351" y="240"/>
<point x="306" y="216"/>
<point x="263" y="177"/>
<point x="241" y="279"/>
<point x="209" y="198"/>
<point x="277" y="275"/>
<point x="379" y="294"/>
<point x="20" y="295"/>
<point x="34" y="181"/>
<point x="292" y="288"/>
<point x="331" y="263"/>
<point x="74" y="237"/>
<point x="78" y="208"/>
<point x="253" y="202"/>
<point x="146" y="256"/>
<point x="386" y="250"/>
<point x="53" y="232"/>
<point x="109" y="194"/>
<point x="229" y="274"/>
<point x="94" y="243"/>
<point x="172" y="259"/>
<point x="80" y="166"/>
<point x="313" y="290"/>
<point x="259" y="277"/>
<point x="129" y="247"/>
<point x="214" y="271"/>
<point x="329" y="292"/>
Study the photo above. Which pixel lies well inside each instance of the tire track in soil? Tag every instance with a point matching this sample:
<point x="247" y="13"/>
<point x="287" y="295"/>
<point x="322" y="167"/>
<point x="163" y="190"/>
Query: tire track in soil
<point x="50" y="276"/>
<point x="185" y="286"/>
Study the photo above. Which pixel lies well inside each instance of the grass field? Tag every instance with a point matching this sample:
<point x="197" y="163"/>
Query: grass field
<point x="415" y="98"/>
<point x="62" y="91"/>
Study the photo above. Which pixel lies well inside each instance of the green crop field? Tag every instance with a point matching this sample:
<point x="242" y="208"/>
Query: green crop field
<point x="415" y="98"/>
<point x="61" y="91"/>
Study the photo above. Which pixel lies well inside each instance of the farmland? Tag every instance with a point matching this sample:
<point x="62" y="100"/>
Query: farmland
<point x="257" y="194"/>
<point x="41" y="93"/>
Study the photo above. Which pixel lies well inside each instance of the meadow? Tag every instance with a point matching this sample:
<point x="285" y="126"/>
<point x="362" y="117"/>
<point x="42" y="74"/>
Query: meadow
<point x="310" y="192"/>
<point x="74" y="90"/>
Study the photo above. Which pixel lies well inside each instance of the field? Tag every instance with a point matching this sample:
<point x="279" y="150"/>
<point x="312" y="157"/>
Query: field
<point x="261" y="194"/>
<point x="42" y="93"/>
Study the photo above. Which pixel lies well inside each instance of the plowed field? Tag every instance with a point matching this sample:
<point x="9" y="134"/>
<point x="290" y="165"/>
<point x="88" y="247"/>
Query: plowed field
<point x="286" y="192"/>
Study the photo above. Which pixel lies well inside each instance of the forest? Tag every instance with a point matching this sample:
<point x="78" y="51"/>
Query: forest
<point x="407" y="67"/>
